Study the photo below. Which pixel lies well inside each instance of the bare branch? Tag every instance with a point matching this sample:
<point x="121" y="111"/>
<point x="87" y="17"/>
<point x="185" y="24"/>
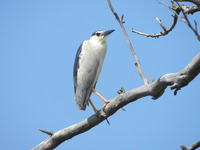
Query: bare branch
<point x="183" y="147"/>
<point x="190" y="10"/>
<point x="121" y="22"/>
<point x="196" y="2"/>
<point x="156" y="89"/>
<point x="185" y="10"/>
<point x="47" y="132"/>
<point x="188" y="22"/>
<point x="192" y="147"/>
<point x="159" y="21"/>
<point x="162" y="33"/>
<point x="166" y="31"/>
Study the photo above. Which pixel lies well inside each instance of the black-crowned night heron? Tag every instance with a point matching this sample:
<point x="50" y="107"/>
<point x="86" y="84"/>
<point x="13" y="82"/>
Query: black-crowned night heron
<point x="87" y="67"/>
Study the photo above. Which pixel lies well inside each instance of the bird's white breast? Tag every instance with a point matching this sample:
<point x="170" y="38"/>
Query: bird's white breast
<point x="97" y="51"/>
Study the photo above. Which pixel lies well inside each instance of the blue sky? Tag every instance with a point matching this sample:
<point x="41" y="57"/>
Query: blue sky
<point x="38" y="43"/>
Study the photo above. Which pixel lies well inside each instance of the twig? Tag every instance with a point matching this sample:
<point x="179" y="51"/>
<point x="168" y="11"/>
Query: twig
<point x="185" y="9"/>
<point x="162" y="33"/>
<point x="121" y="22"/>
<point x="47" y="132"/>
<point x="188" y="22"/>
<point x="166" y="31"/>
<point x="159" y="21"/>
<point x="185" y="19"/>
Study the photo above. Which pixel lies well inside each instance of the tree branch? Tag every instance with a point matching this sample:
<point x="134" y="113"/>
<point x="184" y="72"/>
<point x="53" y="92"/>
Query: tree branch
<point x="188" y="22"/>
<point x="190" y="10"/>
<point x="176" y="9"/>
<point x="121" y="22"/>
<point x="192" y="147"/>
<point x="47" y="132"/>
<point x="196" y="2"/>
<point x="175" y="80"/>
<point x="162" y="33"/>
<point x="165" y="31"/>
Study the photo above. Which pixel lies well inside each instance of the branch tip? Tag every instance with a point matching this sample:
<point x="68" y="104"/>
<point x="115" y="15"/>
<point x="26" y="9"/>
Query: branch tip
<point x="47" y="132"/>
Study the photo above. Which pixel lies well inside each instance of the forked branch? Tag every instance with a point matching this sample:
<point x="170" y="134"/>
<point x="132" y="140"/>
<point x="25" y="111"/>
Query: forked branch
<point x="176" y="9"/>
<point x="165" y="30"/>
<point x="194" y="29"/>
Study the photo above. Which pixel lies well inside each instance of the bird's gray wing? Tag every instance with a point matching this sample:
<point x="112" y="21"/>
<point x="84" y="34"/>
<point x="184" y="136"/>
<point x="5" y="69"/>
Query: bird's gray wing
<point x="76" y="66"/>
<point x="84" y="73"/>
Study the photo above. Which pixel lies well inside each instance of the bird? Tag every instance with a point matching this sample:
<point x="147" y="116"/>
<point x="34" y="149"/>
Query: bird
<point x="87" y="68"/>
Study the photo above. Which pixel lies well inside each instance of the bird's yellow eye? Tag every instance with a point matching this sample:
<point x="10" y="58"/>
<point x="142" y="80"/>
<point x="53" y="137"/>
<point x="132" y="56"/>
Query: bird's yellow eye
<point x="97" y="34"/>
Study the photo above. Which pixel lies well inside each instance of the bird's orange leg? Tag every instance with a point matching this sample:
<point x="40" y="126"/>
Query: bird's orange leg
<point x="99" y="95"/>
<point x="105" y="100"/>
<point x="94" y="108"/>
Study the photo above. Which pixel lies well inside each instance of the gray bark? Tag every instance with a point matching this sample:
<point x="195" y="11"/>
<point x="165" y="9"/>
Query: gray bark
<point x="175" y="80"/>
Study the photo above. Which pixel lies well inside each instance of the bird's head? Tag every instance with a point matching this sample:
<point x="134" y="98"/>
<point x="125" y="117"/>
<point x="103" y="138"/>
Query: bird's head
<point x="100" y="36"/>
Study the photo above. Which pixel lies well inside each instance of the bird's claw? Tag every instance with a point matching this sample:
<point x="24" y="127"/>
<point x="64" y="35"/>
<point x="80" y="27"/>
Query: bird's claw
<point x="106" y="103"/>
<point x="96" y="112"/>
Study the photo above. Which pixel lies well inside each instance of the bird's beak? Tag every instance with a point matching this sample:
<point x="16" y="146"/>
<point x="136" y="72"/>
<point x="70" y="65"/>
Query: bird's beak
<point x="108" y="32"/>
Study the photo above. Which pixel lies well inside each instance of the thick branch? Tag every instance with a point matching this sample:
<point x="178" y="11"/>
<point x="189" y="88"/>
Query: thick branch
<point x="156" y="89"/>
<point x="121" y="22"/>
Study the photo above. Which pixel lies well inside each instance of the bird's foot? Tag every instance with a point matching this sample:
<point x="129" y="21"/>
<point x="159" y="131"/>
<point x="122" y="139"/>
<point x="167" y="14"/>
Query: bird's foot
<point x="106" y="103"/>
<point x="123" y="109"/>
<point x="96" y="112"/>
